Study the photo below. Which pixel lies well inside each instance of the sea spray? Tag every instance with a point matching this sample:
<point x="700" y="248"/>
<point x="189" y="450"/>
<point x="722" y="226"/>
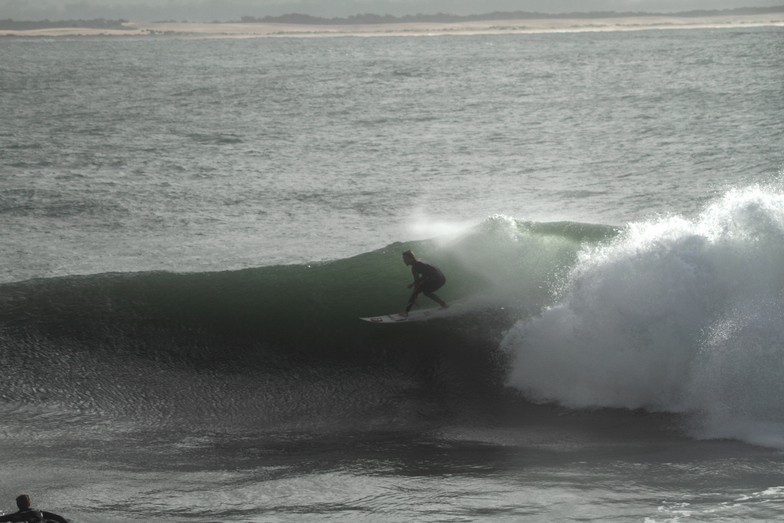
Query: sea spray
<point x="510" y="261"/>
<point x="736" y="385"/>
<point x="674" y="314"/>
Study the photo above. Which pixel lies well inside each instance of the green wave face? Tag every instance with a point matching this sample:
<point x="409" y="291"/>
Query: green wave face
<point x="284" y="331"/>
<point x="499" y="263"/>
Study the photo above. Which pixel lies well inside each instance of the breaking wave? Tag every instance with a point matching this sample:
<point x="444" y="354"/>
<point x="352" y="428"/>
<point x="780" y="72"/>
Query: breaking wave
<point x="673" y="314"/>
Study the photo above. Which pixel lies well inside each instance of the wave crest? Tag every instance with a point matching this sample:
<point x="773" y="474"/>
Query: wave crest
<point x="673" y="314"/>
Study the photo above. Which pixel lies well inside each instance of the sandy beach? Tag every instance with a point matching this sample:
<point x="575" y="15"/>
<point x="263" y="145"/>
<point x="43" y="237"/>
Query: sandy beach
<point x="254" y="30"/>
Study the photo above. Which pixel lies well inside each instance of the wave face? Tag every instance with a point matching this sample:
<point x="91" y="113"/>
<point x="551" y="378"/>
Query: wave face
<point x="673" y="314"/>
<point x="282" y="346"/>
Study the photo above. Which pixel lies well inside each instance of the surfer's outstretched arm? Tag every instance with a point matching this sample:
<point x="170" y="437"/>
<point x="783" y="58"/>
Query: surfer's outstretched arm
<point x="411" y="302"/>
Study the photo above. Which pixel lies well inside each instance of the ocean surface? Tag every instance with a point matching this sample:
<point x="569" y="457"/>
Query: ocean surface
<point x="190" y="230"/>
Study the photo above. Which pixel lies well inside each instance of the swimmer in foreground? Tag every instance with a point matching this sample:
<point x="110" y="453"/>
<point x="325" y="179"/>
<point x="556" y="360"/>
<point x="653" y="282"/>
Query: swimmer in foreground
<point x="427" y="280"/>
<point x="30" y="515"/>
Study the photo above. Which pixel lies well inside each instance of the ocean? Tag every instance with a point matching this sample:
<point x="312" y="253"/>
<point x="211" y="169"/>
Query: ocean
<point x="191" y="229"/>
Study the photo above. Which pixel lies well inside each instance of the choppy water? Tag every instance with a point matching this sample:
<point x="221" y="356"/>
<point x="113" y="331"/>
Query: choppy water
<point x="190" y="229"/>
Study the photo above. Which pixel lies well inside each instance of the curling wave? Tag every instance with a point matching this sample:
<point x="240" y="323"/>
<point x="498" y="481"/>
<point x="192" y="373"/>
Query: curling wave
<point x="674" y="314"/>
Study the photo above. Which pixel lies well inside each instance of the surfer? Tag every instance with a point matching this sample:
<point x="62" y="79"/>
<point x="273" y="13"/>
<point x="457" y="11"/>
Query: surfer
<point x="29" y="514"/>
<point x="427" y="280"/>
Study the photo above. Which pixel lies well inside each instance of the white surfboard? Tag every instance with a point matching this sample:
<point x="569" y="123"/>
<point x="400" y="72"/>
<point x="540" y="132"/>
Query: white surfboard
<point x="412" y="316"/>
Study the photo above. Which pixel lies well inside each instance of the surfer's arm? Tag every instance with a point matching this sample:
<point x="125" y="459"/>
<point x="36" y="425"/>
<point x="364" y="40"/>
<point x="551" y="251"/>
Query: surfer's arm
<point x="416" y="279"/>
<point x="54" y="517"/>
<point x="415" y="285"/>
<point x="412" y="300"/>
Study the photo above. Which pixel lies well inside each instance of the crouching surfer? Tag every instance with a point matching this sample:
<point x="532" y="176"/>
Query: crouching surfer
<point x="30" y="515"/>
<point x="427" y="280"/>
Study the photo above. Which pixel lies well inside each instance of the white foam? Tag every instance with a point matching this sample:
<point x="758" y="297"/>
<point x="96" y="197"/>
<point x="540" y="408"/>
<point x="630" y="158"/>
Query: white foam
<point x="676" y="314"/>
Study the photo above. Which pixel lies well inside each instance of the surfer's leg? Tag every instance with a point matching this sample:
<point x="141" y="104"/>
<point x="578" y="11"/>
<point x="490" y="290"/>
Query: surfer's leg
<point x="436" y="299"/>
<point x="430" y="288"/>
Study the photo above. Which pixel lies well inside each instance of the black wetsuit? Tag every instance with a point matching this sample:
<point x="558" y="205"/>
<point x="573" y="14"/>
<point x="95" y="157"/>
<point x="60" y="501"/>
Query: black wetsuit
<point x="430" y="281"/>
<point x="31" y="515"/>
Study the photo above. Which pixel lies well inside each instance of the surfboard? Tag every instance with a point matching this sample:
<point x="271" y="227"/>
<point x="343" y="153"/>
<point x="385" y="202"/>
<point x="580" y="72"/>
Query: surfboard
<point x="412" y="316"/>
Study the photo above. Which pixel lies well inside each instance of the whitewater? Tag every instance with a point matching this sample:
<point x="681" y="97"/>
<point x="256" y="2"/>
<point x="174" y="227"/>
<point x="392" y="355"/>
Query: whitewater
<point x="192" y="228"/>
<point x="676" y="315"/>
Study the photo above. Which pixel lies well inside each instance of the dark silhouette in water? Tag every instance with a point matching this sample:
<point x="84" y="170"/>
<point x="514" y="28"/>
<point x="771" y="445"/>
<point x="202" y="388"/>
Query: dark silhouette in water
<point x="30" y="515"/>
<point x="427" y="280"/>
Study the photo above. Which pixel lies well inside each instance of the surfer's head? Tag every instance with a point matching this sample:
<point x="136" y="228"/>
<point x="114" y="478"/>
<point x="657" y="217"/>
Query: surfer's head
<point x="23" y="501"/>
<point x="408" y="257"/>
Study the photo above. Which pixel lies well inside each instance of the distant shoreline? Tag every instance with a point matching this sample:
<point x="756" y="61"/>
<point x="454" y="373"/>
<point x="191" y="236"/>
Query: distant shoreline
<point x="560" y="23"/>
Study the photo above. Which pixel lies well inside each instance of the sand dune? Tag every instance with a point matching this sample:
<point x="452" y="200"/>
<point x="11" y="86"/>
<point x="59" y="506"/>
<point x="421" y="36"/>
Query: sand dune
<point x="252" y="30"/>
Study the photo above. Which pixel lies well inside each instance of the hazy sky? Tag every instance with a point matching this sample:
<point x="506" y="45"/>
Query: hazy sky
<point x="226" y="10"/>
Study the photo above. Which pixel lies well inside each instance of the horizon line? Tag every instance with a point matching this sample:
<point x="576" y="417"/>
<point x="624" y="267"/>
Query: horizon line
<point x="372" y="18"/>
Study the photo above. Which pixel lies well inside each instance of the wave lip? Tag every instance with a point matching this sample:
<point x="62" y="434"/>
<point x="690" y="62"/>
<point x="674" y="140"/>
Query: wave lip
<point x="673" y="315"/>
